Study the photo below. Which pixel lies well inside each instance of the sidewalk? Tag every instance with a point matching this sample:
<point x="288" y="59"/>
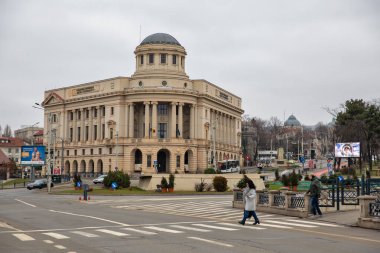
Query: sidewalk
<point x="347" y="217"/>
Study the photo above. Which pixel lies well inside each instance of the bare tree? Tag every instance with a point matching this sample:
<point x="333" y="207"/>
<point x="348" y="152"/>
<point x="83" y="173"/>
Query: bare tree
<point x="7" y="131"/>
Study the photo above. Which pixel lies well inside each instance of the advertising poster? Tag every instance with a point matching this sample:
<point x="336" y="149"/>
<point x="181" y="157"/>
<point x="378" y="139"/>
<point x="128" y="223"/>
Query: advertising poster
<point x="33" y="155"/>
<point x="347" y="149"/>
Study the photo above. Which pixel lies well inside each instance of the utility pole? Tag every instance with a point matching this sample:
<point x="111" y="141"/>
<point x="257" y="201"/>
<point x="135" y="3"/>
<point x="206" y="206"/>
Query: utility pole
<point x="48" y="167"/>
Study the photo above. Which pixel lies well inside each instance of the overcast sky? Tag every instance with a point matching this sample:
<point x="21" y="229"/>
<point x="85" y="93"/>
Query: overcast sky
<point x="281" y="57"/>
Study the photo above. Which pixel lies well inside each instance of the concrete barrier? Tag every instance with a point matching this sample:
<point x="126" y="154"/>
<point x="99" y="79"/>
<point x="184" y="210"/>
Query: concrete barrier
<point x="369" y="218"/>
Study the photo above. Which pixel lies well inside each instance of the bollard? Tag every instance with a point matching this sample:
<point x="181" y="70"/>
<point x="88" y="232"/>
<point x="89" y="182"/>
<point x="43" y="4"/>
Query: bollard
<point x="85" y="190"/>
<point x="80" y="198"/>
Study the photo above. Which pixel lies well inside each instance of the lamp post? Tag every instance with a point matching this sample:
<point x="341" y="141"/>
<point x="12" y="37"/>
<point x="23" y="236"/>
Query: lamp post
<point x="117" y="150"/>
<point x="32" y="167"/>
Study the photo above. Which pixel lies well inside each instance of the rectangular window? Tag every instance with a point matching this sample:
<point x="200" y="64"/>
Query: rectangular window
<point x="162" y="130"/>
<point x="91" y="151"/>
<point x="182" y="58"/>
<point x="110" y="151"/>
<point x="163" y="58"/>
<point x="95" y="112"/>
<point x="95" y="132"/>
<point x="78" y="115"/>
<point x="111" y="133"/>
<point x="162" y="109"/>
<point x="111" y="110"/>
<point x="75" y="152"/>
<point x="178" y="161"/>
<point x="87" y="113"/>
<point x="67" y="152"/>
<point x="9" y="150"/>
<point x="71" y="115"/>
<point x="86" y="133"/>
<point x="103" y="131"/>
<point x="151" y="58"/>
<point x="78" y="135"/>
<point x="174" y="57"/>
<point x="149" y="161"/>
<point x="100" y="151"/>
<point x="141" y="59"/>
<point x="83" y="151"/>
<point x="16" y="151"/>
<point x="104" y="111"/>
<point x="71" y="134"/>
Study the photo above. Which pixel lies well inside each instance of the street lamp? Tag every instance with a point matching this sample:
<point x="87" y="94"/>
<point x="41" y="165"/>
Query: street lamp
<point x="32" y="167"/>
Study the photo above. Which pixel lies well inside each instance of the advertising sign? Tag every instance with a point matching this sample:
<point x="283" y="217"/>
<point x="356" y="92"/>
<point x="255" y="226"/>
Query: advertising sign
<point x="348" y="149"/>
<point x="56" y="171"/>
<point x="33" y="155"/>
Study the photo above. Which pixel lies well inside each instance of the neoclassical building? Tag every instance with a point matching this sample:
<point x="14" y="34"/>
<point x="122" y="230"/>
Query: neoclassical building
<point x="156" y="121"/>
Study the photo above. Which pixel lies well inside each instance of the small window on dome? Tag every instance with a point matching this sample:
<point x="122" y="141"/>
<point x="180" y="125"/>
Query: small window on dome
<point x="141" y="84"/>
<point x="141" y="59"/>
<point x="174" y="57"/>
<point x="163" y="58"/>
<point x="185" y="85"/>
<point x="164" y="83"/>
<point x="151" y="58"/>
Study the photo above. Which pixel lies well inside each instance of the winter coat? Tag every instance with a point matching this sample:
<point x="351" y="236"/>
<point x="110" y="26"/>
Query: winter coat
<point x="249" y="199"/>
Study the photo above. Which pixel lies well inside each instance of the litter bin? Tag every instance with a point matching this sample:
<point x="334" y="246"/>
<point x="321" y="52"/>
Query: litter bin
<point x="85" y="191"/>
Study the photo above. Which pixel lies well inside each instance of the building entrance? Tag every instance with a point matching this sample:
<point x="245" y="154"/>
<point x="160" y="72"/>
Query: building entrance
<point x="162" y="161"/>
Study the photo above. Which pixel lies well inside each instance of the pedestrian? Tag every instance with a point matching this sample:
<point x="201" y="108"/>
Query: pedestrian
<point x="315" y="193"/>
<point x="249" y="198"/>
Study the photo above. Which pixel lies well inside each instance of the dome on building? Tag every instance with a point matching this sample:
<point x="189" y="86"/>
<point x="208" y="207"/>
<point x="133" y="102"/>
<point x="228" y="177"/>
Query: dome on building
<point x="160" y="38"/>
<point x="292" y="121"/>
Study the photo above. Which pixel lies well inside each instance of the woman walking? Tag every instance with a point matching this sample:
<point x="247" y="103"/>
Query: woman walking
<point x="249" y="196"/>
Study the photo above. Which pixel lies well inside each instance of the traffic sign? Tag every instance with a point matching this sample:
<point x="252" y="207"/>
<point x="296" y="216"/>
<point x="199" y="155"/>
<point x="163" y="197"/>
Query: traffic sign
<point x="114" y="185"/>
<point x="302" y="159"/>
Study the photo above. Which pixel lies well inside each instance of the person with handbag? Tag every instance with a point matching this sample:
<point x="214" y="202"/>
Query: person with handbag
<point x="249" y="197"/>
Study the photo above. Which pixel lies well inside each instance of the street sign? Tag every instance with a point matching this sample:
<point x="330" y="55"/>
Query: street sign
<point x="114" y="185"/>
<point x="302" y="159"/>
<point x="303" y="185"/>
<point x="79" y="184"/>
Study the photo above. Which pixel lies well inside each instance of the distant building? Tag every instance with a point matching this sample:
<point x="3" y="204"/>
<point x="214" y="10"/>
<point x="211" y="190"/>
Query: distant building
<point x="27" y="133"/>
<point x="11" y="147"/>
<point x="248" y="143"/>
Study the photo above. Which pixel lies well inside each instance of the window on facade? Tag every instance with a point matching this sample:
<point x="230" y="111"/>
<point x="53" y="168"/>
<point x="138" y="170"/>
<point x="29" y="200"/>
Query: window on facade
<point x="110" y="151"/>
<point x="174" y="59"/>
<point x="16" y="151"/>
<point x="162" y="109"/>
<point x="78" y="134"/>
<point x="111" y="133"/>
<point x="103" y="131"/>
<point x="71" y="115"/>
<point x="178" y="161"/>
<point x="91" y="151"/>
<point x="151" y="58"/>
<point x="95" y="132"/>
<point x="83" y="151"/>
<point x="162" y="130"/>
<point x="75" y="152"/>
<point x="100" y="151"/>
<point x="67" y="152"/>
<point x="111" y="110"/>
<point x="54" y="118"/>
<point x="16" y="159"/>
<point x="9" y="150"/>
<point x="87" y="113"/>
<point x="78" y="115"/>
<point x="141" y="59"/>
<point x="149" y="161"/>
<point x="95" y="112"/>
<point x="182" y="59"/>
<point x="86" y="133"/>
<point x="71" y="134"/>
<point x="104" y="111"/>
<point x="163" y="58"/>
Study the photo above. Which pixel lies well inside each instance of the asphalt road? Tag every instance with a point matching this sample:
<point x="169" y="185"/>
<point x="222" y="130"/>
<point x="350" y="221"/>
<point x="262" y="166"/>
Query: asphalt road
<point x="33" y="221"/>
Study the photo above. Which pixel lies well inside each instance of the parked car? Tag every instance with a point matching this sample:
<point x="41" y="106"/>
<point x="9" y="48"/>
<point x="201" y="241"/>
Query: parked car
<point x="39" y="183"/>
<point x="99" y="179"/>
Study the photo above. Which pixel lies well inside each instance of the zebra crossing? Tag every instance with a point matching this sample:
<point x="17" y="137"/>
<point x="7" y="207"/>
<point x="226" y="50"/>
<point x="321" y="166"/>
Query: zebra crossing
<point x="170" y="228"/>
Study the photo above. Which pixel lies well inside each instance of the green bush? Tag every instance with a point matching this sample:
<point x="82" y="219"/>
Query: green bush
<point x="242" y="182"/>
<point x="200" y="187"/>
<point x="220" y="184"/>
<point x="164" y="183"/>
<point x="171" y="181"/>
<point x="209" y="171"/>
<point x="119" y="177"/>
<point x="285" y="180"/>
<point x="277" y="175"/>
<point x="77" y="179"/>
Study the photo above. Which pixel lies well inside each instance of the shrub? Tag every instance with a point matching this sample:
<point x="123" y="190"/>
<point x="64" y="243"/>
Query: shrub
<point x="209" y="171"/>
<point x="307" y="178"/>
<point x="294" y="178"/>
<point x="277" y="175"/>
<point x="324" y="178"/>
<point x="171" y="181"/>
<point x="164" y="183"/>
<point x="200" y="187"/>
<point x="122" y="179"/>
<point x="77" y="179"/>
<point x="285" y="180"/>
<point x="220" y="184"/>
<point x="242" y="182"/>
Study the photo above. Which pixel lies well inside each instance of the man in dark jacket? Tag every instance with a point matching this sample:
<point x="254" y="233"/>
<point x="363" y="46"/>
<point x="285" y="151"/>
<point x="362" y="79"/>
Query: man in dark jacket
<point x="315" y="192"/>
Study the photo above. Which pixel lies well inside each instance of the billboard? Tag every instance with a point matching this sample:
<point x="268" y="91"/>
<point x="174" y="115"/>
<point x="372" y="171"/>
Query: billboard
<point x="348" y="149"/>
<point x="33" y="155"/>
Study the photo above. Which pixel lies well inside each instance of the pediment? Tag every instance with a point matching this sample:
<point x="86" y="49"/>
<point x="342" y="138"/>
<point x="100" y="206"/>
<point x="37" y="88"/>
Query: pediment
<point x="53" y="98"/>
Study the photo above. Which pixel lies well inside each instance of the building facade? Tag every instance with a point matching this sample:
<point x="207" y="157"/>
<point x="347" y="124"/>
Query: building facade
<point x="156" y="121"/>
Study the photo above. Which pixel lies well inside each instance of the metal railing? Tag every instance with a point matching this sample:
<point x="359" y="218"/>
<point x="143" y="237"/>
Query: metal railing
<point x="278" y="200"/>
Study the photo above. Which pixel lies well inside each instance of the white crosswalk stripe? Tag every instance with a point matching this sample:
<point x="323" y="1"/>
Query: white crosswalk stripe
<point x="315" y="223"/>
<point x="57" y="236"/>
<point x="23" y="237"/>
<point x="164" y="230"/>
<point x="85" y="234"/>
<point x="190" y="228"/>
<point x="241" y="226"/>
<point x="140" y="231"/>
<point x="291" y="224"/>
<point x="215" y="227"/>
<point x="274" y="226"/>
<point x="106" y="231"/>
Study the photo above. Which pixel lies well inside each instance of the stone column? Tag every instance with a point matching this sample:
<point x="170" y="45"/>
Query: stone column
<point x="180" y="119"/>
<point x="91" y="126"/>
<point x="75" y="129"/>
<point x="147" y="104"/>
<point x="126" y="120"/>
<point x="99" y="133"/>
<point x="131" y="120"/>
<point x="82" y="127"/>
<point x="173" y="121"/>
<point x="154" y="119"/>
<point x="192" y="118"/>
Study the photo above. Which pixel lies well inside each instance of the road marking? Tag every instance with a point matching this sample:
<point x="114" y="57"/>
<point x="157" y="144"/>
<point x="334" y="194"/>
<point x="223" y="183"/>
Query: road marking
<point x="48" y="241"/>
<point x="60" y="247"/>
<point x="140" y="231"/>
<point x="274" y="226"/>
<point x="24" y="237"/>
<point x="215" y="227"/>
<point x="56" y="235"/>
<point x="237" y="225"/>
<point x="316" y="223"/>
<point x="291" y="224"/>
<point x="164" y="230"/>
<point x="84" y="234"/>
<point x="92" y="217"/>
<point x="5" y="225"/>
<point x="111" y="232"/>
<point x="213" y="242"/>
<point x="25" y="203"/>
<point x="190" y="228"/>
